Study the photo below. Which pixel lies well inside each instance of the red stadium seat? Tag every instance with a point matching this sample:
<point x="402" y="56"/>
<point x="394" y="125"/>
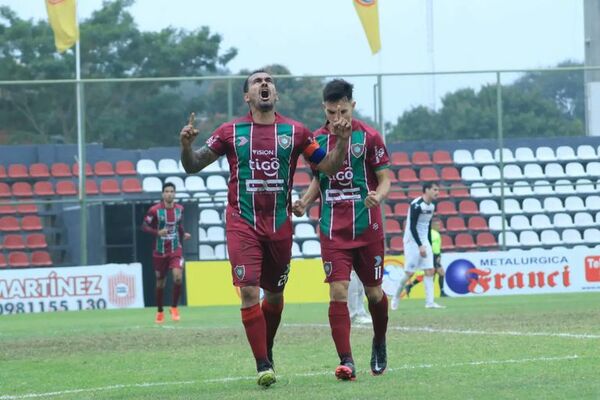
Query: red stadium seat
<point x="2" y="172"/>
<point x="401" y="209"/>
<point x="66" y="188"/>
<point x="443" y="194"/>
<point x="450" y="174"/>
<point x="397" y="243"/>
<point x="468" y="207"/>
<point x="91" y="188"/>
<point x="3" y="263"/>
<point x="392" y="176"/>
<point x="43" y="188"/>
<point x="392" y="226"/>
<point x="442" y="157"/>
<point x="40" y="258"/>
<point x="131" y="185"/>
<point x="39" y="170"/>
<point x="446" y="208"/>
<point x="456" y="224"/>
<point x="4" y="190"/>
<point x="477" y="224"/>
<point x="22" y="189"/>
<point x="36" y="241"/>
<point x="17" y="171"/>
<point x="442" y="226"/>
<point x="447" y="243"/>
<point x="313" y="212"/>
<point x="103" y="168"/>
<point x="464" y="241"/>
<point x="415" y="191"/>
<point x="7" y="210"/>
<point x="9" y="224"/>
<point x="387" y="210"/>
<point x="125" y="167"/>
<point x="13" y="242"/>
<point x="109" y="186"/>
<point x="396" y="194"/>
<point x="400" y="159"/>
<point x="421" y="158"/>
<point x="407" y="175"/>
<point x="31" y="223"/>
<point x="302" y="178"/>
<point x="24" y="208"/>
<point x="428" y="174"/>
<point x="458" y="190"/>
<point x="60" y="170"/>
<point x="302" y="164"/>
<point x="18" y="259"/>
<point x="88" y="169"/>
<point x="486" y="239"/>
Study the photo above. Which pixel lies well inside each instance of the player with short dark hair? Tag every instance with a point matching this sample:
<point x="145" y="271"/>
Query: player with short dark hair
<point x="351" y="228"/>
<point x="262" y="149"/>
<point x="165" y="221"/>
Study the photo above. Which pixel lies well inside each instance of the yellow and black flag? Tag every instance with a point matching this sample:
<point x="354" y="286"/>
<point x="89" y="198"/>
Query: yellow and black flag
<point x="63" y="20"/>
<point x="369" y="17"/>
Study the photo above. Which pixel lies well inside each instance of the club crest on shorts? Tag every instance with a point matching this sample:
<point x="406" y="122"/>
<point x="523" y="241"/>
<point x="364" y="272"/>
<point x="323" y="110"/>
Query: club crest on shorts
<point x="357" y="149"/>
<point x="240" y="271"/>
<point x="327" y="267"/>
<point x="284" y="141"/>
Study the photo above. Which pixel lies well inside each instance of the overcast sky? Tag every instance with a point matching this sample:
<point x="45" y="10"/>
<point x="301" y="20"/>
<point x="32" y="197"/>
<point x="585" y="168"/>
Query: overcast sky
<point x="325" y="38"/>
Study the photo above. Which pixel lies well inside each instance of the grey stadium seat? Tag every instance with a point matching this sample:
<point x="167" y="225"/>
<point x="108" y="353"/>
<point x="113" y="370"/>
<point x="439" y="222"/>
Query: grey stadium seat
<point x="522" y="188"/>
<point x="495" y="223"/>
<point x="533" y="171"/>
<point x="519" y="223"/>
<point x="168" y="166"/>
<point x="512" y="171"/>
<point x="574" y="203"/>
<point x="152" y="184"/>
<point x="511" y="239"/>
<point x="497" y="187"/>
<point x="571" y="236"/>
<point x="480" y="190"/>
<point x="490" y="172"/>
<point x="470" y="174"/>
<point x="583" y="219"/>
<point x="311" y="248"/>
<point x="542" y="187"/>
<point x="483" y="156"/>
<point x="512" y="206"/>
<point x="146" y="167"/>
<point x="550" y="237"/>
<point x="574" y="170"/>
<point x="592" y="203"/>
<point x="584" y="186"/>
<point x="554" y="170"/>
<point x="591" y="235"/>
<point x="553" y="204"/>
<point x="563" y="186"/>
<point x="489" y="207"/>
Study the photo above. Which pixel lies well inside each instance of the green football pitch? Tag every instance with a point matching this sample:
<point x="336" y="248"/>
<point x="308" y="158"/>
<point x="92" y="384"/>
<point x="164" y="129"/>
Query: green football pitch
<point x="517" y="347"/>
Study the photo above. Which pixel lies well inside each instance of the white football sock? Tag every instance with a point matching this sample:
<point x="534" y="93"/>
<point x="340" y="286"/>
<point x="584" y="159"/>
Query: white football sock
<point x="428" y="281"/>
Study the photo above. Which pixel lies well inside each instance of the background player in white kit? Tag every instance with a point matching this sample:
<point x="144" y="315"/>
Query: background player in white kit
<point x="417" y="244"/>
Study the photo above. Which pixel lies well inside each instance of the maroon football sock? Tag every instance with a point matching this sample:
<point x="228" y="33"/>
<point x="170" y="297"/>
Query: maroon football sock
<point x="159" y="298"/>
<point x="272" y="313"/>
<point x="256" y="332"/>
<point x="339" y="320"/>
<point x="379" y="313"/>
<point x="176" y="294"/>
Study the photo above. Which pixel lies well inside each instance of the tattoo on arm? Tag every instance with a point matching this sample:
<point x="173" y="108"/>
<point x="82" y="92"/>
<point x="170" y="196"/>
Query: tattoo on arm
<point x="194" y="161"/>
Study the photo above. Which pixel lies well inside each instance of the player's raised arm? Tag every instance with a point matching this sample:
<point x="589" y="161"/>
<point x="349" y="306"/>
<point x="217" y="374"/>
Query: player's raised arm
<point x="194" y="161"/>
<point x="342" y="129"/>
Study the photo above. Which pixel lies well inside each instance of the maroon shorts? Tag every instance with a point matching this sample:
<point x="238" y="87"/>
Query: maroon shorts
<point x="166" y="262"/>
<point x="258" y="261"/>
<point x="366" y="260"/>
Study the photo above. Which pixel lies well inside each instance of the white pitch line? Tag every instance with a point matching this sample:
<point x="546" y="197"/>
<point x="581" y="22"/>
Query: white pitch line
<point x="463" y="331"/>
<point x="319" y="373"/>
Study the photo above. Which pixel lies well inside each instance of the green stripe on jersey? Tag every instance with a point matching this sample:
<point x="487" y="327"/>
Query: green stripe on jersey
<point x="358" y="152"/>
<point x="161" y="214"/>
<point x="285" y="133"/>
<point x="325" y="222"/>
<point x="245" y="201"/>
<point x="177" y="213"/>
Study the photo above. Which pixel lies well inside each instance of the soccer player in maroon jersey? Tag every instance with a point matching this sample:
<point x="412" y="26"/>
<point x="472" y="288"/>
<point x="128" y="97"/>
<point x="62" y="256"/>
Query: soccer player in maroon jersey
<point x="262" y="149"/>
<point x="351" y="226"/>
<point x="165" y="221"/>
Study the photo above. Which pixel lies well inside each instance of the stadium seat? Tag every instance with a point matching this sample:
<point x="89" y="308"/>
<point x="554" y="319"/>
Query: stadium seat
<point x="206" y="252"/>
<point x="304" y="231"/>
<point x="591" y="235"/>
<point x="392" y="176"/>
<point x="400" y="158"/>
<point x="509" y="239"/>
<point x="483" y="156"/>
<point x="13" y="242"/>
<point x="563" y="187"/>
<point x="450" y="174"/>
<point x="447" y="243"/>
<point x="554" y="171"/>
<point x="31" y="223"/>
<point x="407" y="175"/>
<point x="178" y="182"/>
<point x="586" y="153"/>
<point x="477" y="224"/>
<point x="414" y="191"/>
<point x="9" y="224"/>
<point x="221" y="252"/>
<point x="489" y="206"/>
<point x="311" y="248"/>
<point x="470" y="174"/>
<point x="210" y="217"/>
<point x="593" y="169"/>
<point x="194" y="184"/>
<point x="168" y="166"/>
<point x="533" y="171"/>
<point x="446" y="208"/>
<point x="225" y="164"/>
<point x="39" y="170"/>
<point x="103" y="168"/>
<point x="545" y="154"/>
<point x="109" y="186"/>
<point x="2" y="171"/>
<point x="574" y="204"/>
<point x="571" y="236"/>
<point x="455" y="224"/>
<point x="562" y="220"/>
<point x="43" y="188"/>
<point x="313" y="212"/>
<point x="443" y="194"/>
<point x="302" y="179"/>
<point x="88" y="169"/>
<point x="542" y="188"/>
<point x="511" y="206"/>
<point x="213" y="167"/>
<point x="553" y="204"/>
<point x="428" y="174"/>
<point x="152" y="184"/>
<point x="388" y="211"/>
<point x="131" y="185"/>
<point x="3" y="263"/>
<point x="401" y="209"/>
<point x="40" y="258"/>
<point x="464" y="241"/>
<point x="91" y="187"/>
<point x="4" y="190"/>
<point x="442" y="157"/>
<point x="24" y="208"/>
<point x="392" y="226"/>
<point x="512" y="171"/>
<point x="507" y="156"/>
<point x="458" y="190"/>
<point x="541" y="221"/>
<point x="522" y="189"/>
<point x="486" y="240"/>
<point x="147" y="167"/>
<point x="7" y="209"/>
<point x="397" y="244"/>
<point x="18" y="259"/>
<point x="462" y="157"/>
<point x="497" y="188"/>
<point x="565" y="153"/>
<point x="519" y="223"/>
<point x="574" y="170"/>
<point x="202" y="237"/>
<point x="18" y="171"/>
<point x="468" y="207"/>
<point x="65" y="188"/>
<point x="22" y="189"/>
<point x="584" y="186"/>
<point x="529" y="239"/>
<point x="125" y="167"/>
<point x="216" y="182"/>
<point x="592" y="203"/>
<point x="524" y="154"/>
<point x="396" y="194"/>
<point x="532" y="205"/>
<point x="421" y="158"/>
<point x="60" y="170"/>
<point x="215" y="233"/>
<point x="550" y="237"/>
<point x="584" y="219"/>
<point x="296" y="252"/>
<point x="480" y="190"/>
<point x="490" y="172"/>
<point x="36" y="241"/>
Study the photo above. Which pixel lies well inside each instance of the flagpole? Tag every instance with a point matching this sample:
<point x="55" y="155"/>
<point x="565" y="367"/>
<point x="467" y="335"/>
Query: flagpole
<point x="81" y="154"/>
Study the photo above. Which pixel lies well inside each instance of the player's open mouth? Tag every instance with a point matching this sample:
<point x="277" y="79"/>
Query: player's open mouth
<point x="264" y="94"/>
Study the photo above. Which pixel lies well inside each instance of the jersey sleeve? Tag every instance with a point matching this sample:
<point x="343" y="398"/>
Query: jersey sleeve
<point x="415" y="211"/>
<point x="149" y="225"/>
<point x="377" y="154"/>
<point x="180" y="226"/>
<point x="311" y="150"/>
<point x="216" y="142"/>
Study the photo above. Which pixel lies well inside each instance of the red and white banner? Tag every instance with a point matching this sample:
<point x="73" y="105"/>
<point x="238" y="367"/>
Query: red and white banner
<point x="71" y="288"/>
<point x="521" y="272"/>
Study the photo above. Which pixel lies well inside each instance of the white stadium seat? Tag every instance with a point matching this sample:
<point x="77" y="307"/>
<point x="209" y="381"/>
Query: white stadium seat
<point x="511" y="206"/>
<point x="553" y="204"/>
<point x="562" y="220"/>
<point x="571" y="236"/>
<point x="470" y="174"/>
<point x="311" y="248"/>
<point x="542" y="187"/>
<point x="533" y="171"/>
<point x="168" y="166"/>
<point x="489" y="207"/>
<point x="524" y="154"/>
<point x="221" y="252"/>
<point x="512" y="171"/>
<point x="550" y="237"/>
<point x="583" y="219"/>
<point x="507" y="155"/>
<point x="490" y="172"/>
<point x="304" y="231"/>
<point x="574" y="170"/>
<point x="483" y="156"/>
<point x="497" y="187"/>
<point x="511" y="239"/>
<point x="180" y="166"/>
<point x="213" y="167"/>
<point x="303" y="218"/>
<point x="574" y="203"/>
<point x="586" y="152"/>
<point x="210" y="217"/>
<point x="204" y="200"/>
<point x="462" y="157"/>
<point x="532" y="205"/>
<point x="194" y="184"/>
<point x="296" y="252"/>
<point x="224" y="164"/>
<point x="522" y="188"/>
<point x="480" y="190"/>
<point x="152" y="184"/>
<point x="495" y="223"/>
<point x="146" y="167"/>
<point x="216" y="182"/>
<point x="584" y="186"/>
<point x="563" y="186"/>
<point x="591" y="235"/>
<point x="541" y="221"/>
<point x="565" y="153"/>
<point x="593" y="169"/>
<point x="545" y="154"/>
<point x="202" y="235"/>
<point x="554" y="170"/>
<point x="206" y="252"/>
<point x="598" y="218"/>
<point x="519" y="223"/>
<point x="529" y="238"/>
<point x="215" y="233"/>
<point x="592" y="203"/>
<point x="178" y="182"/>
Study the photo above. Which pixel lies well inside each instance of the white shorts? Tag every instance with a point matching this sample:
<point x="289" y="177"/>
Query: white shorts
<point x="413" y="260"/>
